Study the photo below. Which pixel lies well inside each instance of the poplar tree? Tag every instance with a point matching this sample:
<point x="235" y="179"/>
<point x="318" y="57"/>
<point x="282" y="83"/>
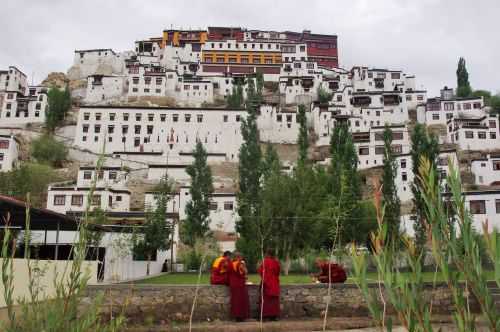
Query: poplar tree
<point x="303" y="139"/>
<point x="390" y="197"/>
<point x="463" y="86"/>
<point x="344" y="191"/>
<point x="197" y="222"/>
<point x="59" y="103"/>
<point x="156" y="231"/>
<point x="250" y="171"/>
<point x="423" y="145"/>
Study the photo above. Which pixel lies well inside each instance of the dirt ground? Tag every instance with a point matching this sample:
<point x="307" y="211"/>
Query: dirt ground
<point x="351" y="324"/>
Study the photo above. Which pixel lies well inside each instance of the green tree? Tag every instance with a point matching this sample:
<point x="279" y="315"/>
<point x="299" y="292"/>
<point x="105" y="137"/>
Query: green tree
<point x="250" y="172"/>
<point x="423" y="145"/>
<point x="59" y="103"/>
<point x="197" y="222"/>
<point x="390" y="197"/>
<point x="303" y="139"/>
<point x="323" y="96"/>
<point x="344" y="192"/>
<point x="47" y="150"/>
<point x="463" y="85"/>
<point x="236" y="98"/>
<point x="28" y="178"/>
<point x="490" y="100"/>
<point x="156" y="231"/>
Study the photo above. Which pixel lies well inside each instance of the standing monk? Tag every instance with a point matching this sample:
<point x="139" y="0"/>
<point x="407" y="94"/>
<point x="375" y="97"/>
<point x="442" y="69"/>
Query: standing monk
<point x="269" y="271"/>
<point x="240" y="305"/>
<point x="220" y="269"/>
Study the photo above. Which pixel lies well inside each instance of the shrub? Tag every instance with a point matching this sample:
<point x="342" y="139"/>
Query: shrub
<point x="47" y="150"/>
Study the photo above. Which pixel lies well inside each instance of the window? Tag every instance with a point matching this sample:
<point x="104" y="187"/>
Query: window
<point x="187" y="117"/>
<point x="364" y="151"/>
<point x="496" y="165"/>
<point x="163" y="117"/>
<point x="238" y="118"/>
<point x="86" y="116"/>
<point x="59" y="200"/>
<point x="403" y="163"/>
<point x="85" y="128"/>
<point x="97" y="129"/>
<point x="379" y="149"/>
<point x="137" y="141"/>
<point x="124" y="129"/>
<point x="279" y="117"/>
<point x="138" y="117"/>
<point x="408" y="97"/>
<point x="435" y="116"/>
<point x="111" y="129"/>
<point x="477" y="207"/>
<point x="125" y="116"/>
<point x="466" y="106"/>
<point x="476" y="105"/>
<point x="289" y="118"/>
<point x="493" y="124"/>
<point x="449" y="116"/>
<point x="420" y="97"/>
<point x="118" y="198"/>
<point x="497" y="205"/>
<point x="112" y="116"/>
<point x="96" y="200"/>
<point x="404" y="176"/>
<point x="481" y="135"/>
<point x="493" y="135"/>
<point x="137" y="129"/>
<point x="199" y="118"/>
<point x="135" y="80"/>
<point x="76" y="200"/>
<point x="159" y="80"/>
<point x="449" y="106"/>
<point x="98" y="116"/>
<point x="149" y="130"/>
<point x="469" y="134"/>
<point x="397" y="149"/>
<point x="147" y="80"/>
<point x="1" y="157"/>
<point x="225" y="118"/>
<point x="212" y="206"/>
<point x="175" y="117"/>
<point x="228" y="206"/>
<point x="112" y="175"/>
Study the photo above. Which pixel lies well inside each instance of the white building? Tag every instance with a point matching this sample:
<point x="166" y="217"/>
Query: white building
<point x="13" y="80"/>
<point x="370" y="144"/>
<point x="438" y="111"/>
<point x="96" y="61"/>
<point x="105" y="88"/>
<point x="277" y="125"/>
<point x="405" y="177"/>
<point x="109" y="193"/>
<point x="8" y="153"/>
<point x="484" y="206"/>
<point x="486" y="170"/>
<point x="478" y="134"/>
<point x="172" y="131"/>
<point x="18" y="109"/>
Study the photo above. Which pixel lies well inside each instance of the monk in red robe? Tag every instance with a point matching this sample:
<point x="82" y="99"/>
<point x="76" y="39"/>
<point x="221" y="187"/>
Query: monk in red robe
<point x="240" y="304"/>
<point x="330" y="272"/>
<point x="220" y="270"/>
<point x="269" y="271"/>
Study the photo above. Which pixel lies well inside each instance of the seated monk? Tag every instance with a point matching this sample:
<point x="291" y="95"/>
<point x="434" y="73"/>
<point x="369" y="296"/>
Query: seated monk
<point x="220" y="270"/>
<point x="330" y="272"/>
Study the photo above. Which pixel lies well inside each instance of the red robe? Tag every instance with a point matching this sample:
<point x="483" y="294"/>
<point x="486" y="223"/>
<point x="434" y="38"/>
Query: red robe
<point x="240" y="304"/>
<point x="220" y="267"/>
<point x="269" y="271"/>
<point x="336" y="274"/>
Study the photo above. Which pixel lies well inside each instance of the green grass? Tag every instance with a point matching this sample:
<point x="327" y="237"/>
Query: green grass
<point x="192" y="278"/>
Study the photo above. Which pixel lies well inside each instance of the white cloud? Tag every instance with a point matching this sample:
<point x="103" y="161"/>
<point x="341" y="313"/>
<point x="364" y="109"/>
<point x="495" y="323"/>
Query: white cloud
<point x="423" y="37"/>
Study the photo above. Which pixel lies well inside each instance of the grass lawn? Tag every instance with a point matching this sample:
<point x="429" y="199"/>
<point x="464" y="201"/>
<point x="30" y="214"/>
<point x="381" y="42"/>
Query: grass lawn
<point x="192" y="278"/>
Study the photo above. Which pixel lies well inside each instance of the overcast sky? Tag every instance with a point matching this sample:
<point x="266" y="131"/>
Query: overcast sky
<point x="421" y="37"/>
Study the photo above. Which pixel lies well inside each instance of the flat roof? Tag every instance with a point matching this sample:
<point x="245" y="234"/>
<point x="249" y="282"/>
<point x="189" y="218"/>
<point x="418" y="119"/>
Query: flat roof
<point x="161" y="108"/>
<point x="40" y="219"/>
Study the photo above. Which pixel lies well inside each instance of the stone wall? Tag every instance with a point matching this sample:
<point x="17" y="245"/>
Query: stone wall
<point x="163" y="303"/>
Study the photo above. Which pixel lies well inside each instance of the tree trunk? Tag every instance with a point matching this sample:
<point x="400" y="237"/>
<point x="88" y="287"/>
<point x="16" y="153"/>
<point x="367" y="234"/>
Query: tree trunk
<point x="147" y="266"/>
<point x="288" y="262"/>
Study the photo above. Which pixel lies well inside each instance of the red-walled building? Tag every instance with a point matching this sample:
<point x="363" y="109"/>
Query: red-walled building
<point x="320" y="48"/>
